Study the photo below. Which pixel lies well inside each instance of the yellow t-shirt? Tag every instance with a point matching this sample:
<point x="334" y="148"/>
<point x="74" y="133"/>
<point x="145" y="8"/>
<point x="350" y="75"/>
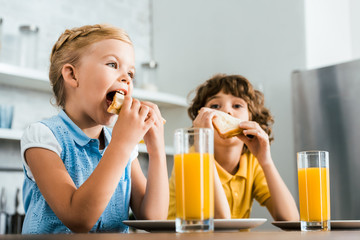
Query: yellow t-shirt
<point x="248" y="183"/>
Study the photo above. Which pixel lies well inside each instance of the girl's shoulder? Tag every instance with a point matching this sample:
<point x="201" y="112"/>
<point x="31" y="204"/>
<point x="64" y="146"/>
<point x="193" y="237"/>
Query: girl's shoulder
<point x="37" y="135"/>
<point x="37" y="132"/>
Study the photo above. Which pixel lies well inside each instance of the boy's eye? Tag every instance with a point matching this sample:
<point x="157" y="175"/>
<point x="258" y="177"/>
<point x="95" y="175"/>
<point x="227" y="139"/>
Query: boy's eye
<point x="237" y="106"/>
<point x="214" y="106"/>
<point x="113" y="65"/>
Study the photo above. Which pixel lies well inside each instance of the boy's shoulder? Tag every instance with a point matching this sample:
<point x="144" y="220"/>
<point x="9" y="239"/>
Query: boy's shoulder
<point x="250" y="161"/>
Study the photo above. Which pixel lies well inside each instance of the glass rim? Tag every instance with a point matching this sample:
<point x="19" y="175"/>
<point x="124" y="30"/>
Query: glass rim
<point x="193" y="129"/>
<point x="312" y="152"/>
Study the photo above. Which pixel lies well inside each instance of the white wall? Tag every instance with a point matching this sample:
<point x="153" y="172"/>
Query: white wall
<point x="262" y="40"/>
<point x="328" y="32"/>
<point x="355" y="28"/>
<point x="332" y="32"/>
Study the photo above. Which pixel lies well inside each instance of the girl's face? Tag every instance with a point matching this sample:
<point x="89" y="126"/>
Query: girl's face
<point x="105" y="67"/>
<point x="235" y="106"/>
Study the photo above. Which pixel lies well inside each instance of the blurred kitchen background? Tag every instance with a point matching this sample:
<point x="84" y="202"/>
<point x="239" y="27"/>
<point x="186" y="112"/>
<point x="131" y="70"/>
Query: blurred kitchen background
<point x="178" y="45"/>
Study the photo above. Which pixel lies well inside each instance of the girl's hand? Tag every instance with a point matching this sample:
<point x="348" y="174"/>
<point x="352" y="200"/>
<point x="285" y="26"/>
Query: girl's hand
<point x="154" y="138"/>
<point x="134" y="121"/>
<point x="204" y="118"/>
<point x="257" y="140"/>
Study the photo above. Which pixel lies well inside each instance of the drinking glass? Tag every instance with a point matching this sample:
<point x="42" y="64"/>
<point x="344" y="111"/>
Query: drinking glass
<point x="314" y="190"/>
<point x="194" y="179"/>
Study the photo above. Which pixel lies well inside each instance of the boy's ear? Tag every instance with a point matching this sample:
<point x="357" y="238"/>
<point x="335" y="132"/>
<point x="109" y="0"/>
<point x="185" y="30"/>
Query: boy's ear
<point x="68" y="73"/>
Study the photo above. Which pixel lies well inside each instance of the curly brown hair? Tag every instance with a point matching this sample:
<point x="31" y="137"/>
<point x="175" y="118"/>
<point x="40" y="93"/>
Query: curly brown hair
<point x="237" y="86"/>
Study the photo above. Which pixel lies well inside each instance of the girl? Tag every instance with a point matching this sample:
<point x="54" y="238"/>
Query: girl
<point x="79" y="175"/>
<point x="245" y="169"/>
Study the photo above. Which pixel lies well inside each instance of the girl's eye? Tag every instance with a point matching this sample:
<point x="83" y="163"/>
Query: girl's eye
<point x="214" y="106"/>
<point x="113" y="65"/>
<point x="131" y="74"/>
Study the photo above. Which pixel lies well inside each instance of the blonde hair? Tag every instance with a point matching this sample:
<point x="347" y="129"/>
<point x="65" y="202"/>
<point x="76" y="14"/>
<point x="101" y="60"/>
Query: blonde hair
<point x="69" y="48"/>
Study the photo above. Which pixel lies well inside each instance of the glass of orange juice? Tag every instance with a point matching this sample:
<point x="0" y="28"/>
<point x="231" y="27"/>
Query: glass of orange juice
<point x="314" y="190"/>
<point x="194" y="179"/>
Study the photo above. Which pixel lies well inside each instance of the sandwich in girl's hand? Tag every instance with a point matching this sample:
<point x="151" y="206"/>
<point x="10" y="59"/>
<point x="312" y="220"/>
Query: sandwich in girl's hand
<point x="117" y="102"/>
<point x="226" y="125"/>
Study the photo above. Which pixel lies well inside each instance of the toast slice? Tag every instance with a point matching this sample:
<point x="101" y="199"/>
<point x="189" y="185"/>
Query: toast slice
<point x="226" y="125"/>
<point x="116" y="103"/>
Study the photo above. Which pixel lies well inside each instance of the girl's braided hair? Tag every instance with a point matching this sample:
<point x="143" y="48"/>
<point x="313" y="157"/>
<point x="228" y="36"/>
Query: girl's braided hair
<point x="69" y="48"/>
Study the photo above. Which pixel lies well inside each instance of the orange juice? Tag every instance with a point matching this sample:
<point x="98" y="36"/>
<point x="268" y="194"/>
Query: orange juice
<point x="314" y="194"/>
<point x="194" y="186"/>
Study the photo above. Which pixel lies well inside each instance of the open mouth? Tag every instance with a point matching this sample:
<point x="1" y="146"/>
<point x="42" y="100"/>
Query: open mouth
<point x="110" y="96"/>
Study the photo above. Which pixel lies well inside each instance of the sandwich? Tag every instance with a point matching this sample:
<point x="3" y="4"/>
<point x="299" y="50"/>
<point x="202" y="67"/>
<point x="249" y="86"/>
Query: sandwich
<point x="226" y="125"/>
<point x="117" y="102"/>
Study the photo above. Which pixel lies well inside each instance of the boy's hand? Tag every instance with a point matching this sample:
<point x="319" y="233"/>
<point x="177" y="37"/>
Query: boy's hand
<point x="257" y="140"/>
<point x="204" y="118"/>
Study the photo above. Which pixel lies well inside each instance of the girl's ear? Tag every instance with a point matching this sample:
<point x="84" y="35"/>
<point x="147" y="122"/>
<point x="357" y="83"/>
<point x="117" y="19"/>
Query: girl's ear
<point x="68" y="73"/>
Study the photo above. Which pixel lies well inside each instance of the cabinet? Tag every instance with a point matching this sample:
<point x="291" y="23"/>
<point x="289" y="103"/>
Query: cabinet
<point x="172" y="107"/>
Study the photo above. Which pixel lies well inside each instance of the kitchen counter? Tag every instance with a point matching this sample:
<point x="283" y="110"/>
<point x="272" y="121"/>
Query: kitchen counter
<point x="278" y="235"/>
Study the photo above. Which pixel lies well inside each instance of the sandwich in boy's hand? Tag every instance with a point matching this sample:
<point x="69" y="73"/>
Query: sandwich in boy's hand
<point x="226" y="125"/>
<point x="117" y="102"/>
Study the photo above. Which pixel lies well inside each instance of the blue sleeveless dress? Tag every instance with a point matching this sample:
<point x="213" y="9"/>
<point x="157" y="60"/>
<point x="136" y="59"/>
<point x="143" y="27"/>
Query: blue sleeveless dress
<point x="80" y="155"/>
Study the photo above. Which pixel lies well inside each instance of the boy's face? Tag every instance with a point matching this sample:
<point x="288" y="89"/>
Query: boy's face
<point x="235" y="106"/>
<point x="107" y="66"/>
